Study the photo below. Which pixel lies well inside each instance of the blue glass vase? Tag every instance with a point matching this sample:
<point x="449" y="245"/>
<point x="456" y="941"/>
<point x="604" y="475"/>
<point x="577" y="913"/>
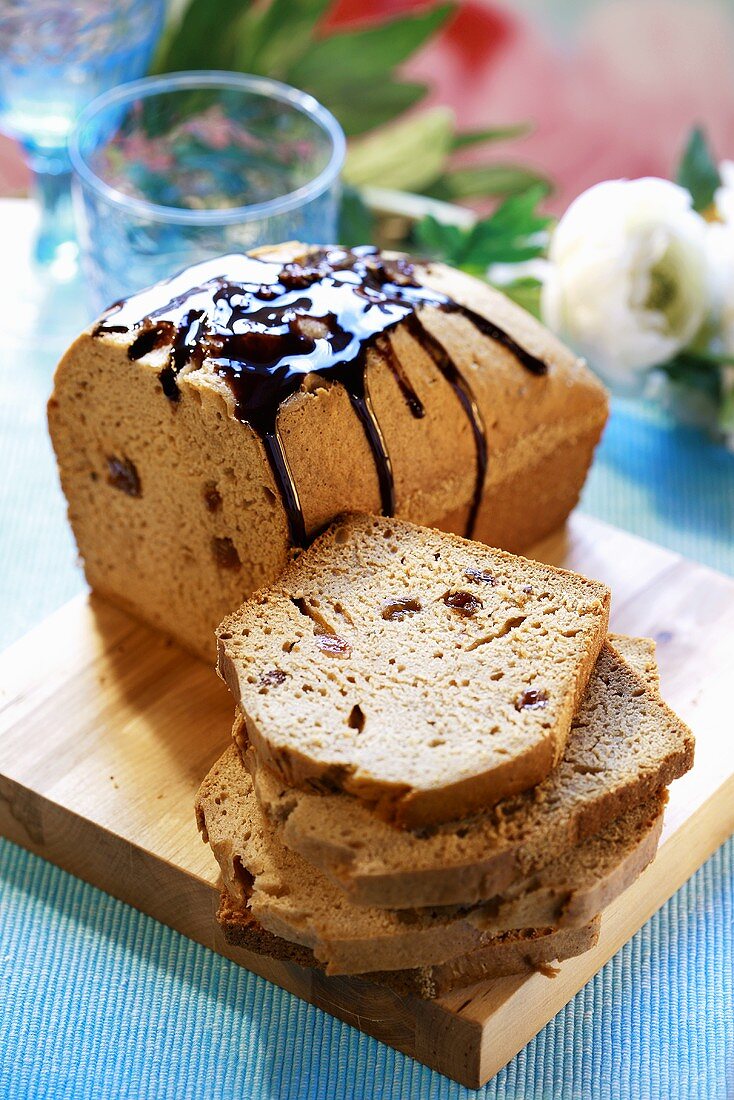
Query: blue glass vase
<point x="55" y="56"/>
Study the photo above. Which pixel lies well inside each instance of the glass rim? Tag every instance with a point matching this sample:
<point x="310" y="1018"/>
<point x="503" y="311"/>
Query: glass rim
<point x="210" y="78"/>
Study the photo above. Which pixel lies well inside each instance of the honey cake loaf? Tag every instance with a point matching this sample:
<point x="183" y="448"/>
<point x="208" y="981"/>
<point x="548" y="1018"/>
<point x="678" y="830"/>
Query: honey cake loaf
<point x="210" y="424"/>
<point x="425" y="674"/>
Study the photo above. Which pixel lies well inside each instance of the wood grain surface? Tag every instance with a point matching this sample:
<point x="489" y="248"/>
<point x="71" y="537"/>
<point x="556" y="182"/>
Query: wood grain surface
<point x="106" y="730"/>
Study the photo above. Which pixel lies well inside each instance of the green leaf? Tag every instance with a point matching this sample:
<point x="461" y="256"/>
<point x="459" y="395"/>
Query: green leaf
<point x="361" y="108"/>
<point x="526" y="292"/>
<point x="437" y="239"/>
<point x="518" y="213"/>
<point x="366" y="55"/>
<point x="486" y="181"/>
<point x="275" y="35"/>
<point x="695" y="372"/>
<point x="356" y="220"/>
<point x="726" y="413"/>
<point x="498" y="133"/>
<point x="697" y="171"/>
<point x="720" y="359"/>
<point x="203" y="37"/>
<point x="407" y="155"/>
<point x="513" y="233"/>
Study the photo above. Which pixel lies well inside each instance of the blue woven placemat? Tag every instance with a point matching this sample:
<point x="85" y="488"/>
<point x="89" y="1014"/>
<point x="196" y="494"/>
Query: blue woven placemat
<point x="98" y="1000"/>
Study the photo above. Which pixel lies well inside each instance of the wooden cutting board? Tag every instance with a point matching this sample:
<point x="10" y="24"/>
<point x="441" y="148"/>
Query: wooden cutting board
<point x="106" y="730"/>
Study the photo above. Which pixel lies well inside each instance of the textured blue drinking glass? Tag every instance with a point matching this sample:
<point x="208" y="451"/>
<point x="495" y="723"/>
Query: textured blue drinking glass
<point x="56" y="55"/>
<point x="176" y="169"/>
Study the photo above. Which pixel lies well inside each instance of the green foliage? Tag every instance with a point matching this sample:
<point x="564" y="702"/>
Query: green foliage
<point x="356" y="220"/>
<point x="352" y="72"/>
<point x="726" y="413"/>
<point x="698" y="371"/>
<point x="526" y="292"/>
<point x="440" y="241"/>
<point x="271" y="36"/>
<point x="697" y="171"/>
<point x="495" y="133"/>
<point x="513" y="233"/>
<point x="352" y="58"/>
<point x="361" y="109"/>
<point x="407" y="155"/>
<point x="203" y="39"/>
<point x="349" y="72"/>
<point x="485" y="181"/>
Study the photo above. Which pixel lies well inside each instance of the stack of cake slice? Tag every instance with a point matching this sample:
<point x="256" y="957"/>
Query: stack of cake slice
<point x="442" y="767"/>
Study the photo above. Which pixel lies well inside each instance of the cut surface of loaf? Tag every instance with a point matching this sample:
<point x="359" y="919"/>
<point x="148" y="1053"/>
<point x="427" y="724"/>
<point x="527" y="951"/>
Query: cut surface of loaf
<point x="625" y="744"/>
<point x="188" y="451"/>
<point x="413" y="669"/>
<point x="291" y="899"/>
<point x="512" y="953"/>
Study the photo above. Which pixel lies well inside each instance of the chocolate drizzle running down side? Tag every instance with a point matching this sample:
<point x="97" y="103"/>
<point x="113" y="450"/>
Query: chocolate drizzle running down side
<point x="264" y="325"/>
<point x="384" y="346"/>
<point x="463" y="391"/>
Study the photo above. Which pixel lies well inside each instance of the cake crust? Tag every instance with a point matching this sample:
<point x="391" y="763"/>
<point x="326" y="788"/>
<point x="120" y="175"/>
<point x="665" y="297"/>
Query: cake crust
<point x="522" y="952"/>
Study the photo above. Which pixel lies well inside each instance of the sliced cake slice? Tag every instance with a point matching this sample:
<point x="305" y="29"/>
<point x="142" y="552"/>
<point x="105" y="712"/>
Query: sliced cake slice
<point x="522" y="952"/>
<point x="568" y="891"/>
<point x="640" y="654"/>
<point x="421" y="673"/>
<point x="292" y="900"/>
<point x="625" y="744"/>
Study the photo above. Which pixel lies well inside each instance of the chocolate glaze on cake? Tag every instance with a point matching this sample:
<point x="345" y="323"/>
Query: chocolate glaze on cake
<point x="264" y="325"/>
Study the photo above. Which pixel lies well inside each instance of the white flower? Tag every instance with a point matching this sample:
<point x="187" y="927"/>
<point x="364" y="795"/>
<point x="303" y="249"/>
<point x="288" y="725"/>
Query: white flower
<point x="626" y="284"/>
<point x="720" y="257"/>
<point x="720" y="250"/>
<point x="724" y="195"/>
